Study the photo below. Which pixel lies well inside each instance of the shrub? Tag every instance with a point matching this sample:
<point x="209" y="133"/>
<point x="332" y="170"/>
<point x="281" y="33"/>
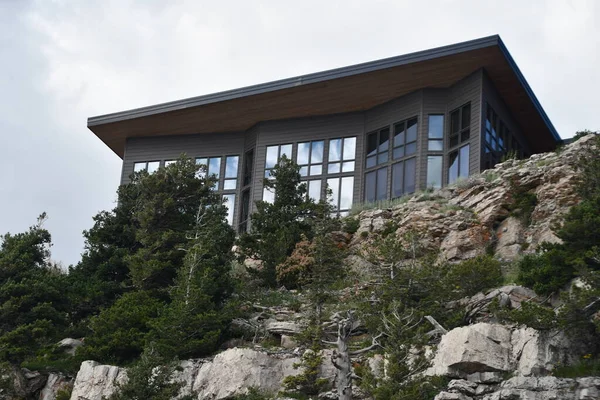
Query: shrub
<point x="546" y="272"/>
<point x="474" y="275"/>
<point x="119" y="332"/>
<point x="587" y="366"/>
<point x="351" y="225"/>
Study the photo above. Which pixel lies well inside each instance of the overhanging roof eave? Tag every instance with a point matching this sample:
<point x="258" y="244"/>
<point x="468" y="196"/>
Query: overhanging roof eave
<point x="306" y="80"/>
<point x="529" y="91"/>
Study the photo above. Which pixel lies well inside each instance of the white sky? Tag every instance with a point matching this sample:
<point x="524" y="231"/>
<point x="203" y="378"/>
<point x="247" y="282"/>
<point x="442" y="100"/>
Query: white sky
<point x="63" y="61"/>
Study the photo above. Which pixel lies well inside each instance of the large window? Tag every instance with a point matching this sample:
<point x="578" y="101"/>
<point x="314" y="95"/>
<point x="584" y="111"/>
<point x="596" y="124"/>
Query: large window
<point x="405" y="138"/>
<point x="245" y="210"/>
<point x="226" y="179"/>
<point x="229" y="201"/>
<point x="460" y="133"/>
<point x="274" y="154"/>
<point x="341" y="162"/>
<point x="231" y="172"/>
<point x="310" y="158"/>
<point x="459" y="164"/>
<point x="378" y="144"/>
<point x="399" y="158"/>
<point x="342" y="191"/>
<point x="342" y="154"/>
<point x="435" y="147"/>
<point x="434" y="171"/>
<point x="435" y="135"/>
<point x="322" y="163"/>
<point x="403" y="177"/>
<point x="248" y="166"/>
<point x="497" y="140"/>
<point x="376" y="185"/>
<point x="150" y="166"/>
<point x="212" y="166"/>
<point x="460" y="125"/>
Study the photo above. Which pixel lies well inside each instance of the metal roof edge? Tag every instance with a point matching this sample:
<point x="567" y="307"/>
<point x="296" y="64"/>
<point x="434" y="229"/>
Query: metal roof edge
<point x="316" y="77"/>
<point x="528" y="90"/>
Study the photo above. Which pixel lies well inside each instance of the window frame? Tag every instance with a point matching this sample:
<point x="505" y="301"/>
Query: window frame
<point x="391" y="161"/>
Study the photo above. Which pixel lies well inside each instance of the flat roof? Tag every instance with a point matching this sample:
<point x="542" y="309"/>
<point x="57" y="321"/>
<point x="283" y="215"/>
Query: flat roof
<point x="353" y="88"/>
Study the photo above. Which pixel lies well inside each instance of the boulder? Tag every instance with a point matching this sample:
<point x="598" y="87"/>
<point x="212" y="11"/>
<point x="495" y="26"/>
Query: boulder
<point x="510" y="237"/>
<point x="54" y="384"/>
<point x="536" y="353"/>
<point x="234" y="371"/>
<point x="70" y="345"/>
<point x="95" y="381"/>
<point x="546" y="388"/>
<point x="288" y="342"/>
<point x="483" y="352"/>
<point x="476" y="348"/>
<point x="283" y="327"/>
<point x="22" y="383"/>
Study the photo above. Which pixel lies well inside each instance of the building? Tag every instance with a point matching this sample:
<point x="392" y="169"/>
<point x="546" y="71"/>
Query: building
<point x="370" y="131"/>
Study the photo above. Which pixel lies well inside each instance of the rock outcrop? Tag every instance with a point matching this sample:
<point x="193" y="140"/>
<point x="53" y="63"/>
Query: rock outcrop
<point x="527" y="388"/>
<point x="476" y="215"/>
<point x="229" y="373"/>
<point x="95" y="381"/>
<point x="485" y="352"/>
<point x="54" y="384"/>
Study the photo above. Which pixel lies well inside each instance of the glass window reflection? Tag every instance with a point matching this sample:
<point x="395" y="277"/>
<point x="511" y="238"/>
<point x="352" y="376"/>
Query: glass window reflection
<point x="231" y="166"/>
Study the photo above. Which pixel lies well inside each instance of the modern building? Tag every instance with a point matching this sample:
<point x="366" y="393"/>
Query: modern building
<point x="371" y="131"/>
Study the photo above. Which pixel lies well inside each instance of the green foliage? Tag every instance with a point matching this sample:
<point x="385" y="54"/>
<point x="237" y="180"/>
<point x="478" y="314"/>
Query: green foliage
<point x="33" y="307"/>
<point x="119" y="333"/>
<point x="308" y="381"/>
<point x="167" y="205"/>
<point x="422" y="388"/>
<point x="548" y="271"/>
<point x="587" y="366"/>
<point x="556" y="264"/>
<point x="277" y="227"/>
<point x="531" y="314"/>
<point x="63" y="394"/>
<point x="350" y="225"/>
<point x="474" y="275"/>
<point x="151" y="378"/>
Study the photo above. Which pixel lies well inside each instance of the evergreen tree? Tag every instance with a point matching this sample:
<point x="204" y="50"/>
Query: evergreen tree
<point x="277" y="227"/>
<point x="32" y="304"/>
<point x="191" y="325"/>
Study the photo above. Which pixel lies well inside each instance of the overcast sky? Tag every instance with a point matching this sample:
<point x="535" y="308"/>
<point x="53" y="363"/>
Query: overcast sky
<point x="64" y="61"/>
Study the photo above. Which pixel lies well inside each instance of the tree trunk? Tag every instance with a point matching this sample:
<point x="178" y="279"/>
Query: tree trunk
<point x="343" y="365"/>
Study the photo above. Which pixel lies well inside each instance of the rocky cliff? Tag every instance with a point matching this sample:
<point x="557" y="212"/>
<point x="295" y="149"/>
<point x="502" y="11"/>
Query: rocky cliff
<point x="484" y="214"/>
